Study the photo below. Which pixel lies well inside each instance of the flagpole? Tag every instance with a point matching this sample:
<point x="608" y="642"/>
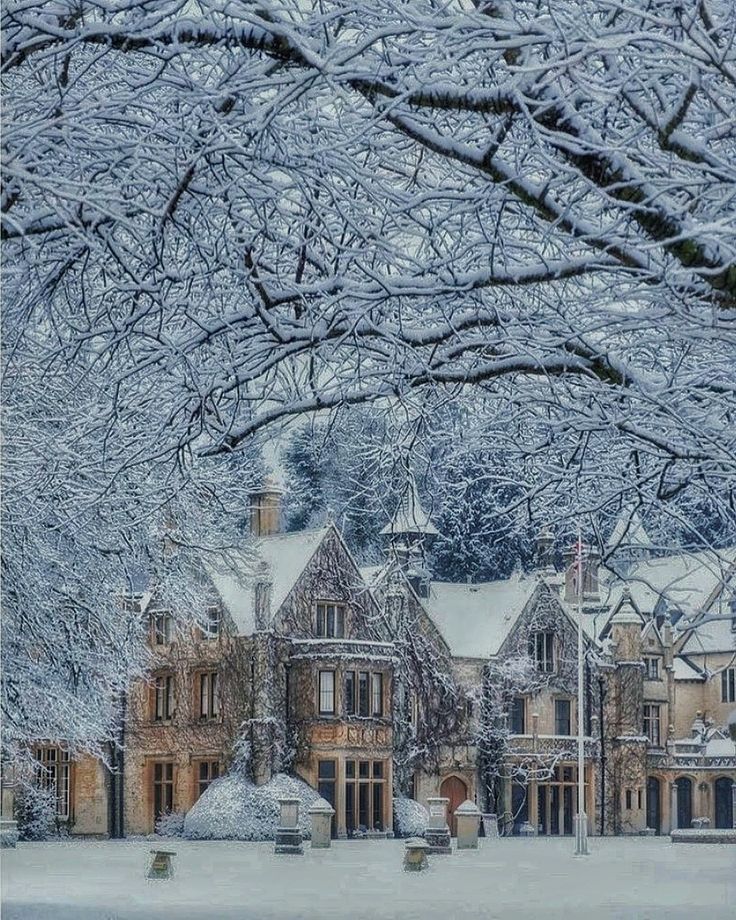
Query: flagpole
<point x="581" y="823"/>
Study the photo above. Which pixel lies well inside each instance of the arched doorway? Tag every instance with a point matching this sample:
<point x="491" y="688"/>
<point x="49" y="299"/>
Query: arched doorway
<point x="454" y="789"/>
<point x="724" y="801"/>
<point x="684" y="801"/>
<point x="654" y="804"/>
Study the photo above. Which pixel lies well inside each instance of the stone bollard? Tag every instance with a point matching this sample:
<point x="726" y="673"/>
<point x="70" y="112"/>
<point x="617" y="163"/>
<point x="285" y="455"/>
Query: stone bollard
<point x="415" y="854"/>
<point x="437" y="834"/>
<point x="8" y="824"/>
<point x="321" y="814"/>
<point x="161" y="866"/>
<point x="467" y="816"/>
<point x="289" y="834"/>
<point x="490" y="825"/>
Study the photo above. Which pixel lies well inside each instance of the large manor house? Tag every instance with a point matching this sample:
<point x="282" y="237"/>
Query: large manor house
<point x="373" y="684"/>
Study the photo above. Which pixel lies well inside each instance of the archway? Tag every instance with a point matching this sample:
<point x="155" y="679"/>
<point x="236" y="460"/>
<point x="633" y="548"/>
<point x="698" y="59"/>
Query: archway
<point x="654" y="804"/>
<point x="456" y="790"/>
<point x="684" y="801"/>
<point x="724" y="801"/>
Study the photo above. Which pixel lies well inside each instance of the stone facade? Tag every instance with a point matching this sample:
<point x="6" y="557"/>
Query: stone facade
<point x="355" y="681"/>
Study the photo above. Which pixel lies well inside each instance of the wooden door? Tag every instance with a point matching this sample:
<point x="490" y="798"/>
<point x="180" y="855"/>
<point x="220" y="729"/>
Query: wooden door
<point x="684" y="801"/>
<point x="454" y="789"/>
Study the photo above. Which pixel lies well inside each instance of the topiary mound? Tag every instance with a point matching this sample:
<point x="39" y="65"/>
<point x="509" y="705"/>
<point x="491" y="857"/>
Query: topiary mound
<point x="234" y="808"/>
<point x="410" y="818"/>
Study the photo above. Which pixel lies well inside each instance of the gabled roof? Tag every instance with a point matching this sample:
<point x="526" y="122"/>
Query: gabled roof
<point x="410" y="517"/>
<point x="475" y="619"/>
<point x="684" y="669"/>
<point x="683" y="582"/>
<point x="279" y="559"/>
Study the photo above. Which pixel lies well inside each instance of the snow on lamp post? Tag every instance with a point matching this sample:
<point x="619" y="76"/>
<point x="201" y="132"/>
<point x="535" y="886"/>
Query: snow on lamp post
<point x="581" y="819"/>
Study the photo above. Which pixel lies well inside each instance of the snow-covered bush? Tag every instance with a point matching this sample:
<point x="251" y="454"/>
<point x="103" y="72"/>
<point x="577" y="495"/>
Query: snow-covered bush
<point x="233" y="808"/>
<point x="171" y="824"/>
<point x="411" y="819"/>
<point x="35" y="812"/>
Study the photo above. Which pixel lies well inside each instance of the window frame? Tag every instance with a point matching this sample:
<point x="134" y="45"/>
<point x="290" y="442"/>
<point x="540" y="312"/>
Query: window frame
<point x="365" y="786"/>
<point x="518" y="706"/>
<point x="560" y="701"/>
<point x="652" y="723"/>
<point x="54" y="773"/>
<point x="163" y="707"/>
<point x="542" y="648"/>
<point x="728" y="685"/>
<point x="201" y="783"/>
<point x="651" y="664"/>
<point x="162" y="789"/>
<point x="376" y="691"/>
<point x="209" y="702"/>
<point x="324" y="693"/>
<point x="162" y="627"/>
<point x="326" y="629"/>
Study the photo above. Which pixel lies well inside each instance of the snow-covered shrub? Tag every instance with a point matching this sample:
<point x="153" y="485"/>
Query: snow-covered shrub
<point x="411" y="819"/>
<point x="171" y="824"/>
<point x="35" y="812"/>
<point x="233" y="808"/>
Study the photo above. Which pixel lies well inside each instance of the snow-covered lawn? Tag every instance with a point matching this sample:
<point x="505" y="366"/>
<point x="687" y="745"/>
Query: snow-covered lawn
<point x="635" y="879"/>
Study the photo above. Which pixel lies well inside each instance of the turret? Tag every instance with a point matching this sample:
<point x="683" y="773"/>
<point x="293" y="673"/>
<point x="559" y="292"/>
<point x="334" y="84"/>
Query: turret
<point x="626" y="631"/>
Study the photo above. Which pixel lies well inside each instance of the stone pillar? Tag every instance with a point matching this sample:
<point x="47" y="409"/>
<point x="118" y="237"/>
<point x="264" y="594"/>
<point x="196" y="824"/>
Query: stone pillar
<point x="437" y="834"/>
<point x="8" y="824"/>
<point x="673" y="807"/>
<point x="289" y="834"/>
<point x="321" y="814"/>
<point x="733" y="804"/>
<point x="467" y="816"/>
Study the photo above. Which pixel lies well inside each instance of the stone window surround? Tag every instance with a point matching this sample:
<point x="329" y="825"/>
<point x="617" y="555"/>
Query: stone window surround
<point x="321" y="620"/>
<point x="162" y="699"/>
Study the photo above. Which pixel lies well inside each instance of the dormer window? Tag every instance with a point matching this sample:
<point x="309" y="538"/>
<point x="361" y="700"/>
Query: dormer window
<point x="541" y="650"/>
<point x="331" y="621"/>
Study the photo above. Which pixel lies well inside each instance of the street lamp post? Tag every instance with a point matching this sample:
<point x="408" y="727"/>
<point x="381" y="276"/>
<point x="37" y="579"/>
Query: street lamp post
<point x="581" y="821"/>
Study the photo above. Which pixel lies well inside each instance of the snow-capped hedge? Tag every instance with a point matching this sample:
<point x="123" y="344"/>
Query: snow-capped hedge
<point x="233" y="808"/>
<point x="411" y="819"/>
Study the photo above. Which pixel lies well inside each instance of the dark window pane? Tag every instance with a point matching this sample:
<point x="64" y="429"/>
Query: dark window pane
<point x="349" y="769"/>
<point x="363" y="693"/>
<point x="364" y="769"/>
<point x="326" y="769"/>
<point x="350" y="693"/>
<point x="517" y="716"/>
<point x="378" y="807"/>
<point x="350" y="808"/>
<point x="377" y="769"/>
<point x="331" y="620"/>
<point x="340" y="622"/>
<point x="363" y="799"/>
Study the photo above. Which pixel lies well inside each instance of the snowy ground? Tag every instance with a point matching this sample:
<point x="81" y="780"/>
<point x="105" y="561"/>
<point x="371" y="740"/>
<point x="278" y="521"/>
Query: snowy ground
<point x="631" y="878"/>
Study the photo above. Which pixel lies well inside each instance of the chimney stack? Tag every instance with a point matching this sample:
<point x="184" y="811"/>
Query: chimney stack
<point x="265" y="510"/>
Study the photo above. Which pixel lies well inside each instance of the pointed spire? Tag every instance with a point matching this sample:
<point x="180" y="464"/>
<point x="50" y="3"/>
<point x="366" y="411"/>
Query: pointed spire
<point x="629" y="534"/>
<point x="410" y="518"/>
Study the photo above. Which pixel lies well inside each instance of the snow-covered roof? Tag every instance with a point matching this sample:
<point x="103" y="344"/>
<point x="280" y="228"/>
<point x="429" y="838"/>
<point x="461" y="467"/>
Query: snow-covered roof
<point x="685" y="670"/>
<point x="410" y="517"/>
<point x="629" y="533"/>
<point x="279" y="559"/>
<point x="474" y="619"/>
<point x="684" y="581"/>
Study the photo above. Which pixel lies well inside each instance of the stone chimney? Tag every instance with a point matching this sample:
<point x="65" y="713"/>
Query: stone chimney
<point x="265" y="510"/>
<point x="626" y="627"/>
